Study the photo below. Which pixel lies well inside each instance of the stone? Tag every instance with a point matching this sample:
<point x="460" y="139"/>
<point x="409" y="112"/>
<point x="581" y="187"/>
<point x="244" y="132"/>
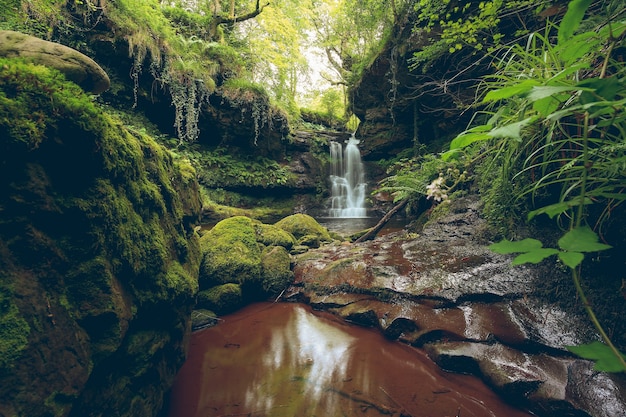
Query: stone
<point x="305" y="229"/>
<point x="222" y="299"/>
<point x="445" y="291"/>
<point x="76" y="66"/>
<point x="98" y="255"/>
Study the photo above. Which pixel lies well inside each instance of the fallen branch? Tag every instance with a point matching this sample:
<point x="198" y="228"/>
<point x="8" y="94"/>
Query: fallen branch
<point x="371" y="234"/>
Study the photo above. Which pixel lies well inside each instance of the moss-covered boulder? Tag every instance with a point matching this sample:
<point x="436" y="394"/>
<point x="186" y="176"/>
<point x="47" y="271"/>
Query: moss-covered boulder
<point x="305" y="229"/>
<point x="277" y="274"/>
<point x="76" y="66"/>
<point x="222" y="299"/>
<point x="230" y="253"/>
<point x="271" y="235"/>
<point x="98" y="257"/>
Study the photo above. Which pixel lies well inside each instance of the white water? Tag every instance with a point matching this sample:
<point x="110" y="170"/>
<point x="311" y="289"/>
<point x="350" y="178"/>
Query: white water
<point x="348" y="180"/>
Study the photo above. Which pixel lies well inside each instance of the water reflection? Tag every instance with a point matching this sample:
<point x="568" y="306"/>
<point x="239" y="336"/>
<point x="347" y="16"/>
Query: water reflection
<point x="314" y="351"/>
<point x="282" y="360"/>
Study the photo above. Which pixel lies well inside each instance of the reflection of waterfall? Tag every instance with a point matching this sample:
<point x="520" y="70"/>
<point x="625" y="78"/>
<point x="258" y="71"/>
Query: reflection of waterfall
<point x="347" y="179"/>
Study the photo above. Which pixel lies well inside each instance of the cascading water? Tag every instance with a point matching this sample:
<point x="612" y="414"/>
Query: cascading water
<point x="348" y="180"/>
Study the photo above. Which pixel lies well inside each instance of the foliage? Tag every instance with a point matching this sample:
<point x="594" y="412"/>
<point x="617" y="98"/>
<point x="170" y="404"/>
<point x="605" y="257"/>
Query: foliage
<point x="454" y="26"/>
<point x="560" y="122"/>
<point x="423" y="176"/>
<point x="14" y="329"/>
<point x="220" y="169"/>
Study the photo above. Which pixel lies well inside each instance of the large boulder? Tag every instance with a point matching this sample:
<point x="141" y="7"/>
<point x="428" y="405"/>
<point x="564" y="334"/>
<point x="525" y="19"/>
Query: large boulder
<point x="231" y="253"/>
<point x="76" y="66"/>
<point x="98" y="256"/>
<point x="469" y="308"/>
<point x="305" y="229"/>
<point x="246" y="252"/>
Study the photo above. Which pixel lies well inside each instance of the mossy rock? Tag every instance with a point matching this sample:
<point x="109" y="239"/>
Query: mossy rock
<point x="231" y="253"/>
<point x="222" y="299"/>
<point x="98" y="258"/>
<point x="305" y="229"/>
<point x="271" y="235"/>
<point x="277" y="274"/>
<point x="202" y="318"/>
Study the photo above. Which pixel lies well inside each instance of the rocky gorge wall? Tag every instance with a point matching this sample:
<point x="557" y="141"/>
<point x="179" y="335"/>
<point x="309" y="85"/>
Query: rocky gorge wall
<point x="98" y="256"/>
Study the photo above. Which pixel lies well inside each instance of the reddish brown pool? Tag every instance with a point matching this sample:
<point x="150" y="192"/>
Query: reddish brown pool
<point x="286" y="360"/>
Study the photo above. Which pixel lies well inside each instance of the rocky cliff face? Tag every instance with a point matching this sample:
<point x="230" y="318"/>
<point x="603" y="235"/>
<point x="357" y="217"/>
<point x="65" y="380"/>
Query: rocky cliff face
<point x="98" y="258"/>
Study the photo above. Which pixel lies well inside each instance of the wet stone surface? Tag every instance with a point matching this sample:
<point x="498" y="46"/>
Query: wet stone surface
<point x="471" y="311"/>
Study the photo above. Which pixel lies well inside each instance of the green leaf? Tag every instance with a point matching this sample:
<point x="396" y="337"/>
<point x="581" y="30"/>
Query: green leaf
<point x="581" y="239"/>
<point x="467" y="139"/>
<point x="603" y="355"/>
<point x="575" y="12"/>
<point x="571" y="259"/>
<point x="543" y="91"/>
<point x="555" y="209"/>
<point x="513" y="130"/>
<point x="546" y="106"/>
<point x="604" y="87"/>
<point x="534" y="256"/>
<point x="508" y="92"/>
<point x="506" y="246"/>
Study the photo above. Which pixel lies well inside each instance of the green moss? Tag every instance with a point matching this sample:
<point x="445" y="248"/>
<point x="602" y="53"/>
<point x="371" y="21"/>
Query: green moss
<point x="277" y="274"/>
<point x="271" y="235"/>
<point x="101" y="220"/>
<point x="14" y="329"/>
<point x="230" y="253"/>
<point x="305" y="229"/>
<point x="222" y="299"/>
<point x="179" y="282"/>
<point x="27" y="92"/>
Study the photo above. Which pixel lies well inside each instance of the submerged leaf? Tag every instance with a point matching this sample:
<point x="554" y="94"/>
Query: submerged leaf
<point x="605" y="358"/>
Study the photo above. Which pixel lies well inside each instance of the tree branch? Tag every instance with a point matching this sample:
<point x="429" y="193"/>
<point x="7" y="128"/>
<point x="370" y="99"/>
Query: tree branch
<point x="222" y="20"/>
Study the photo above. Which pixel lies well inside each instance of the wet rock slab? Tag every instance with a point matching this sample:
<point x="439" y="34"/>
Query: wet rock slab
<point x="473" y="312"/>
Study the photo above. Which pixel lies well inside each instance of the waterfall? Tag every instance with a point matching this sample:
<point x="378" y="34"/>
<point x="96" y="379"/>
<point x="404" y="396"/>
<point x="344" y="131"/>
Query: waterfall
<point x="348" y="180"/>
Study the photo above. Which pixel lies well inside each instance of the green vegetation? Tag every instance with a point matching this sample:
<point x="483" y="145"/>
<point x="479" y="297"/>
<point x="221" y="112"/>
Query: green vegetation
<point x="557" y="125"/>
<point x="14" y="329"/>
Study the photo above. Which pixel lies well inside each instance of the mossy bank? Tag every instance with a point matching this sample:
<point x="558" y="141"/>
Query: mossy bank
<point x="98" y="257"/>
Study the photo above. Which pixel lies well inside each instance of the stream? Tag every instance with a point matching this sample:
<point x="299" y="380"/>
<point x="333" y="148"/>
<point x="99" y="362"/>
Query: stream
<point x="285" y="359"/>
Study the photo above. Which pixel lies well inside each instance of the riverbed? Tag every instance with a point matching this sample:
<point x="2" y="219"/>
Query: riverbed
<point x="285" y="359"/>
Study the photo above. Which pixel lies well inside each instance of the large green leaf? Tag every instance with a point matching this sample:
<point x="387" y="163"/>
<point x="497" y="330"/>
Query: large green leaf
<point x="543" y="91"/>
<point x="575" y="12"/>
<point x="534" y="256"/>
<point x="555" y="209"/>
<point x="571" y="259"/>
<point x="511" y="91"/>
<point x="603" y="355"/>
<point x="506" y="246"/>
<point x="581" y="239"/>
<point x="467" y="139"/>
<point x="512" y="130"/>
